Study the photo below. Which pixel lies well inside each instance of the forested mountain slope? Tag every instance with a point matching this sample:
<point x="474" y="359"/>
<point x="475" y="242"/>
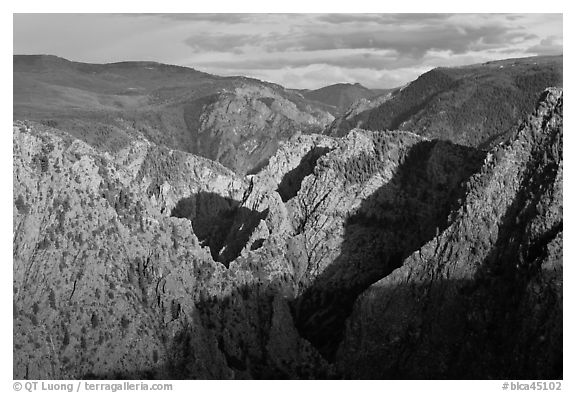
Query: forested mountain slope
<point x="477" y="105"/>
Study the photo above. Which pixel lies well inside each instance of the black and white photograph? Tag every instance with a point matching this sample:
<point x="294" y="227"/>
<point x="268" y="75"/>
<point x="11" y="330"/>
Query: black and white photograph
<point x="287" y="196"/>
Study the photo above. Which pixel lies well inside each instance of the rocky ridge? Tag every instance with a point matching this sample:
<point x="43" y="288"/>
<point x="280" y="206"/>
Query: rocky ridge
<point x="490" y="280"/>
<point x="475" y="105"/>
<point x="149" y="262"/>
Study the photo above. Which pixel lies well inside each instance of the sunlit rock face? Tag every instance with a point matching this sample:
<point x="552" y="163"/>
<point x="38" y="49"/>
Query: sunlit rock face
<point x="483" y="299"/>
<point x="380" y="254"/>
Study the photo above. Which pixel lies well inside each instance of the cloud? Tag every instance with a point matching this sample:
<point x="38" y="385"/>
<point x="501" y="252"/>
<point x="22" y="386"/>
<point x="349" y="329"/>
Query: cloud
<point x="381" y="18"/>
<point x="217" y="18"/>
<point x="409" y="41"/>
<point x="348" y="59"/>
<point x="379" y="50"/>
<point x="344" y="59"/>
<point x="551" y="45"/>
<point x="398" y="35"/>
<point x="220" y="42"/>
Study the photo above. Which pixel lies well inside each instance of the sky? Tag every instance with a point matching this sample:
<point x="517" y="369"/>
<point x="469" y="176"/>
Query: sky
<point x="295" y="50"/>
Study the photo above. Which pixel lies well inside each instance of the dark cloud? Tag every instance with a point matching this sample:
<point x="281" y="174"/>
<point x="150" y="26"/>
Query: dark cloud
<point x="548" y="46"/>
<point x="407" y="34"/>
<point x="413" y="42"/>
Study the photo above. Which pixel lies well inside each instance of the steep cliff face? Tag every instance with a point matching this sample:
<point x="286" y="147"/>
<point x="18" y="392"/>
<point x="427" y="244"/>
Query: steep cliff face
<point x="148" y="262"/>
<point x="484" y="297"/>
<point x="242" y="128"/>
<point x="368" y="202"/>
<point x="99" y="270"/>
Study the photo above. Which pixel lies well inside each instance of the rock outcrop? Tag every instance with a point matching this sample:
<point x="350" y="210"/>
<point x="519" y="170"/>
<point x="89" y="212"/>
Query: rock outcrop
<point x="483" y="299"/>
<point x="333" y="260"/>
<point x="242" y="128"/>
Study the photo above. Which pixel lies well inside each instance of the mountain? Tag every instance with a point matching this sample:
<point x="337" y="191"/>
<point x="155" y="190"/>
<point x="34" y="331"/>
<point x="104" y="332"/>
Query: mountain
<point x="476" y="105"/>
<point x="341" y="96"/>
<point x="376" y="255"/>
<point x="236" y="121"/>
<point x="492" y="279"/>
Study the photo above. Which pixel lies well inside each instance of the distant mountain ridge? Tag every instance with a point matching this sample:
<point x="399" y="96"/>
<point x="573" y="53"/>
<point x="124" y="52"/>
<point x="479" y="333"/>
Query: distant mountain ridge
<point x="341" y="96"/>
<point x="240" y="121"/>
<point x="237" y="121"/>
<point x="475" y="105"/>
